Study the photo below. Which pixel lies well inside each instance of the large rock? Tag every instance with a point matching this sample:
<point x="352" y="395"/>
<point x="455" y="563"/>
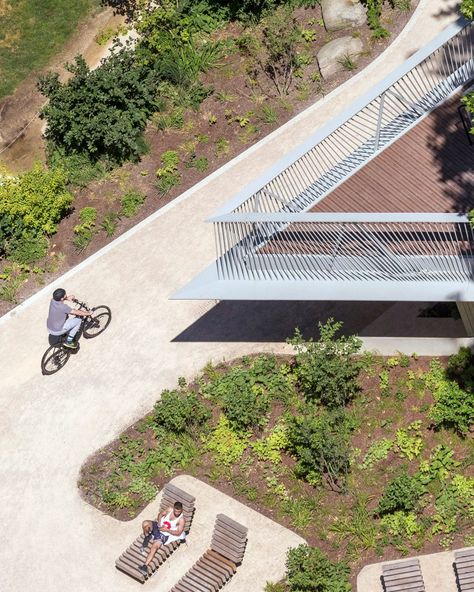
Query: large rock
<point x="340" y="14"/>
<point x="333" y="53"/>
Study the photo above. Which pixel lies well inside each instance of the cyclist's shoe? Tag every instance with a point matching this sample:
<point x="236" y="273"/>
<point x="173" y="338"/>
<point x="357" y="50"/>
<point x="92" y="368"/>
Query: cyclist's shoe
<point x="71" y="344"/>
<point x="143" y="569"/>
<point x="143" y="551"/>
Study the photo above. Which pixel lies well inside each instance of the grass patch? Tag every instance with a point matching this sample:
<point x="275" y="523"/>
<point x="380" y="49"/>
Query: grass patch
<point x="31" y="31"/>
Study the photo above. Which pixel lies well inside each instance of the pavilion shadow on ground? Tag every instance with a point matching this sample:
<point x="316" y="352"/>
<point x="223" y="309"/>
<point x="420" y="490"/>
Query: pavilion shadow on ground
<point x="274" y="321"/>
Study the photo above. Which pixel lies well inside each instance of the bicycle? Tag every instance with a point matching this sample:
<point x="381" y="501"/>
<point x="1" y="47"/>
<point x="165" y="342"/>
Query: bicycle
<point x="57" y="356"/>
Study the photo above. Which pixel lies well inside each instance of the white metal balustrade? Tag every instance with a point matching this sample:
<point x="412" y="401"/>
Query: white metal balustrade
<point x="268" y="247"/>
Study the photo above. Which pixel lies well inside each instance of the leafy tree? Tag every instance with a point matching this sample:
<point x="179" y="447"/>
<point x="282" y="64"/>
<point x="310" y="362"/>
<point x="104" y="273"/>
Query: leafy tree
<point x="402" y="493"/>
<point x="101" y="112"/>
<point x="321" y="446"/>
<point x="326" y="369"/>
<point x="310" y="570"/>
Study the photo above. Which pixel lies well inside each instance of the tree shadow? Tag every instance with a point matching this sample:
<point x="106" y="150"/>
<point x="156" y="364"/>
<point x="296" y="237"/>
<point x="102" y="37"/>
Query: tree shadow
<point x="125" y="8"/>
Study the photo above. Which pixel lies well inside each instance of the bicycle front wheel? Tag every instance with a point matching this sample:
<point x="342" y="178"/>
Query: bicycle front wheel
<point x="54" y="358"/>
<point x="97" y="324"/>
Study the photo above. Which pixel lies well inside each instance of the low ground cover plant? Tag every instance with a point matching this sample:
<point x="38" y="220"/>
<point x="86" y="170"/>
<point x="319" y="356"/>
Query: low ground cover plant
<point x="353" y="480"/>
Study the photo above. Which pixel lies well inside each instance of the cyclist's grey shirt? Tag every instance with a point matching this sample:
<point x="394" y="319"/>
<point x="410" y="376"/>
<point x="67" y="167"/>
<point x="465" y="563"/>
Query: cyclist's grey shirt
<point x="57" y="315"/>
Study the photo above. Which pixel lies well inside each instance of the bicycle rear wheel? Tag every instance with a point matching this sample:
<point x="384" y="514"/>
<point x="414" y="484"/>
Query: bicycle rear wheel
<point x="97" y="324"/>
<point x="54" y="358"/>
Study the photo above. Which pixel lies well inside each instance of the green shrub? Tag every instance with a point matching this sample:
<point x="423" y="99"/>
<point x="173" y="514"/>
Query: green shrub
<point x="322" y="447"/>
<point x="467" y="9"/>
<point x="408" y="442"/>
<point x="453" y="407"/>
<point x="227" y="444"/>
<point x="11" y="280"/>
<point x="85" y="230"/>
<point x="310" y="570"/>
<point x="32" y="204"/>
<point x="326" y="369"/>
<point x="78" y="167"/>
<point x="101" y="113"/>
<point x="245" y="391"/>
<point x="461" y="368"/>
<point x="269" y="448"/>
<point x="168" y="175"/>
<point x="377" y="451"/>
<point x="109" y="223"/>
<point x="440" y="465"/>
<point x="131" y="202"/>
<point x="180" y="411"/>
<point x="401" y="524"/>
<point x="402" y="493"/>
<point x="455" y="506"/>
<point x="27" y="249"/>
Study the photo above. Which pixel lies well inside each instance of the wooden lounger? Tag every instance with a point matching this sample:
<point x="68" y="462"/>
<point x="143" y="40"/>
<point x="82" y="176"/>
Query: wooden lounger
<point x="404" y="576"/>
<point x="219" y="563"/>
<point x="464" y="569"/>
<point x="132" y="558"/>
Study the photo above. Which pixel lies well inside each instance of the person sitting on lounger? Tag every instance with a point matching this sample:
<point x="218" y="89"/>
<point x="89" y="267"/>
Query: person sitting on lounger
<point x="167" y="528"/>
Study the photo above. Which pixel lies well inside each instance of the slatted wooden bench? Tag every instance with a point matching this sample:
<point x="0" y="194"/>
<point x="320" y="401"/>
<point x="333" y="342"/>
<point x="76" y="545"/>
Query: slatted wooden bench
<point x="464" y="569"/>
<point x="219" y="563"/>
<point x="404" y="576"/>
<point x="132" y="558"/>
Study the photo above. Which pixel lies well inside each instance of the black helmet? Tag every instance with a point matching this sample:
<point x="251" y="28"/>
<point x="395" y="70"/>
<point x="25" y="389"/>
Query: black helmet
<point x="59" y="294"/>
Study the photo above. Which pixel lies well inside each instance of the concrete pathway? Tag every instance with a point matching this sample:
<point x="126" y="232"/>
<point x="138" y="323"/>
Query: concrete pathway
<point x="49" y="538"/>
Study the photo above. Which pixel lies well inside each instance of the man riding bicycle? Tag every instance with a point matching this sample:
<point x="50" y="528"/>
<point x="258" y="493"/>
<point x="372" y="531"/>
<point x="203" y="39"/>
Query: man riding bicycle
<point x="63" y="318"/>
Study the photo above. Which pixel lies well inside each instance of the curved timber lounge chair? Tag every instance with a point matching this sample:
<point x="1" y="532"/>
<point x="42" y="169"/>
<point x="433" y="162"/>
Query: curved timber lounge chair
<point x="129" y="561"/>
<point x="219" y="563"/>
<point x="464" y="569"/>
<point x="404" y="576"/>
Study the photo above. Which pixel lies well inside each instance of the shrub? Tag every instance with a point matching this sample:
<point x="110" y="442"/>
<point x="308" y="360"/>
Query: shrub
<point x="321" y="446"/>
<point x="467" y="9"/>
<point x="377" y="451"/>
<point x="279" y="58"/>
<point x="109" y="223"/>
<point x="310" y="570"/>
<point x="402" y="493"/>
<point x="227" y="444"/>
<point x="453" y="406"/>
<point x="131" y="202"/>
<point x="101" y="113"/>
<point x="168" y="175"/>
<point x="401" y="524"/>
<point x="78" y="168"/>
<point x="32" y="204"/>
<point x="269" y="448"/>
<point x="461" y="368"/>
<point x="84" y="231"/>
<point x="27" y="249"/>
<point x="180" y="411"/>
<point x="245" y="392"/>
<point x="244" y="405"/>
<point x="326" y="369"/>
